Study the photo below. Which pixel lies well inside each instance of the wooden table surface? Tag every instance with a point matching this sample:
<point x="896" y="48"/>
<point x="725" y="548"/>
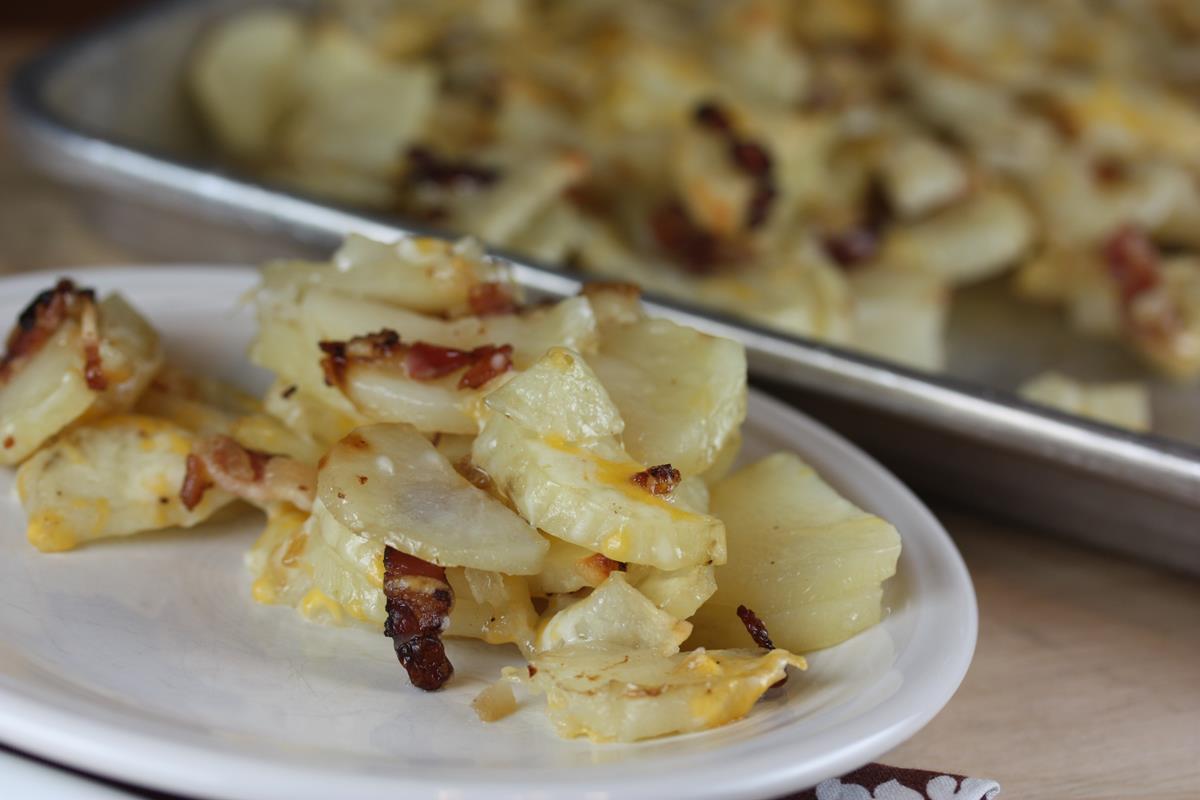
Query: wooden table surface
<point x="1086" y="679"/>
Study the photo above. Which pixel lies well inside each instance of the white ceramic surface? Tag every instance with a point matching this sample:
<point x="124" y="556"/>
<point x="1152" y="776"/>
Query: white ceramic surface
<point x="145" y="659"/>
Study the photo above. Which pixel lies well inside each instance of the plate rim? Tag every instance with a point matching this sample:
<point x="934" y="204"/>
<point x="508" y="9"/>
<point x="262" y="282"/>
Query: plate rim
<point x="139" y="757"/>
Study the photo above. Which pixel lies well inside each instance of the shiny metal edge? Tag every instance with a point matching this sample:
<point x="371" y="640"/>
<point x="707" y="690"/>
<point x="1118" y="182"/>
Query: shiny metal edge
<point x="1157" y="466"/>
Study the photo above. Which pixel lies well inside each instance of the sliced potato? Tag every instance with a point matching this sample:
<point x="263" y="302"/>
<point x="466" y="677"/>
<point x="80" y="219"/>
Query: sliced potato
<point x="900" y="315"/>
<point x="240" y="77"/>
<point x="587" y="491"/>
<point x="627" y="695"/>
<point x="334" y="577"/>
<point x="389" y="484"/>
<point x="586" y="494"/>
<point x="95" y="359"/>
<point x="307" y="418"/>
<point x="532" y="183"/>
<point x="421" y="274"/>
<point x="492" y="607"/>
<point x="568" y="323"/>
<point x="202" y="405"/>
<point x="44" y="396"/>
<point x="1125" y="405"/>
<point x="569" y="568"/>
<point x="114" y="477"/>
<point x="130" y="355"/>
<point x="681" y="393"/>
<point x="921" y="175"/>
<point x="679" y="592"/>
<point x="582" y="408"/>
<point x="807" y="561"/>
<point x="614" y="615"/>
<point x="382" y="393"/>
<point x="967" y="242"/>
<point x="354" y="110"/>
<point x="317" y="566"/>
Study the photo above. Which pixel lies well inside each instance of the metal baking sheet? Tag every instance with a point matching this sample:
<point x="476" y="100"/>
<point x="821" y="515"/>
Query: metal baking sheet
<point x="107" y="110"/>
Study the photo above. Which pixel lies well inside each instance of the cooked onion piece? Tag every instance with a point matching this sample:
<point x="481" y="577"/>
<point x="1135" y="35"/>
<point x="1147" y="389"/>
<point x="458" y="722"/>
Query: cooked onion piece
<point x="585" y="491"/>
<point x="114" y="477"/>
<point x="389" y="484"/>
<point x="70" y="357"/>
<point x="621" y="695"/>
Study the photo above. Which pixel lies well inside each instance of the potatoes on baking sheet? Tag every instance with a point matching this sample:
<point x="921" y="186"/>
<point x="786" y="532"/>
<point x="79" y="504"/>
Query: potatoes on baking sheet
<point x="829" y="170"/>
<point x="434" y="458"/>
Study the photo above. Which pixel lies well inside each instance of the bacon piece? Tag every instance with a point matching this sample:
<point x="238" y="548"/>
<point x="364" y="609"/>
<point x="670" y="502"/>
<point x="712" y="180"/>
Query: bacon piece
<point x="658" y="480"/>
<point x="852" y="246"/>
<point x="1132" y="261"/>
<point x="424" y="166"/>
<point x="710" y="115"/>
<point x="42" y="318"/>
<point x="425" y="362"/>
<point x="860" y="242"/>
<point x="420" y="361"/>
<point x="490" y="361"/>
<point x="694" y="248"/>
<point x="755" y="627"/>
<point x="252" y="475"/>
<point x="419" y="601"/>
<point x="760" y="204"/>
<point x="490" y="298"/>
<point x="749" y="157"/>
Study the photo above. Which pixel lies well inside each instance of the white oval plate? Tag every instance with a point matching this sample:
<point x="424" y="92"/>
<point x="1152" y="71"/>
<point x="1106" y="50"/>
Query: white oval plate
<point x="145" y="659"/>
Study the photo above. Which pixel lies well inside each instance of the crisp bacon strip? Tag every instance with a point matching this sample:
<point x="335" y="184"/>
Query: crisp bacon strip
<point x="1132" y="261"/>
<point x="419" y="601"/>
<point x="42" y="318"/>
<point x="755" y="627"/>
<point x="420" y="361"/>
<point x="658" y="480"/>
<point x="252" y="475"/>
<point x="490" y="298"/>
<point x="749" y="157"/>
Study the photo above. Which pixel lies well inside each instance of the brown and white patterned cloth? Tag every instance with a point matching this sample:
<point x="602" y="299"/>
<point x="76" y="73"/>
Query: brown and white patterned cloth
<point x="881" y="782"/>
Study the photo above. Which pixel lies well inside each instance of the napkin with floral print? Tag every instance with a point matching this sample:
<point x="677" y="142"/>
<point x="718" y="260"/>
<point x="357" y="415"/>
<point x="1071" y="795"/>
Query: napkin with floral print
<point x="881" y="782"/>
